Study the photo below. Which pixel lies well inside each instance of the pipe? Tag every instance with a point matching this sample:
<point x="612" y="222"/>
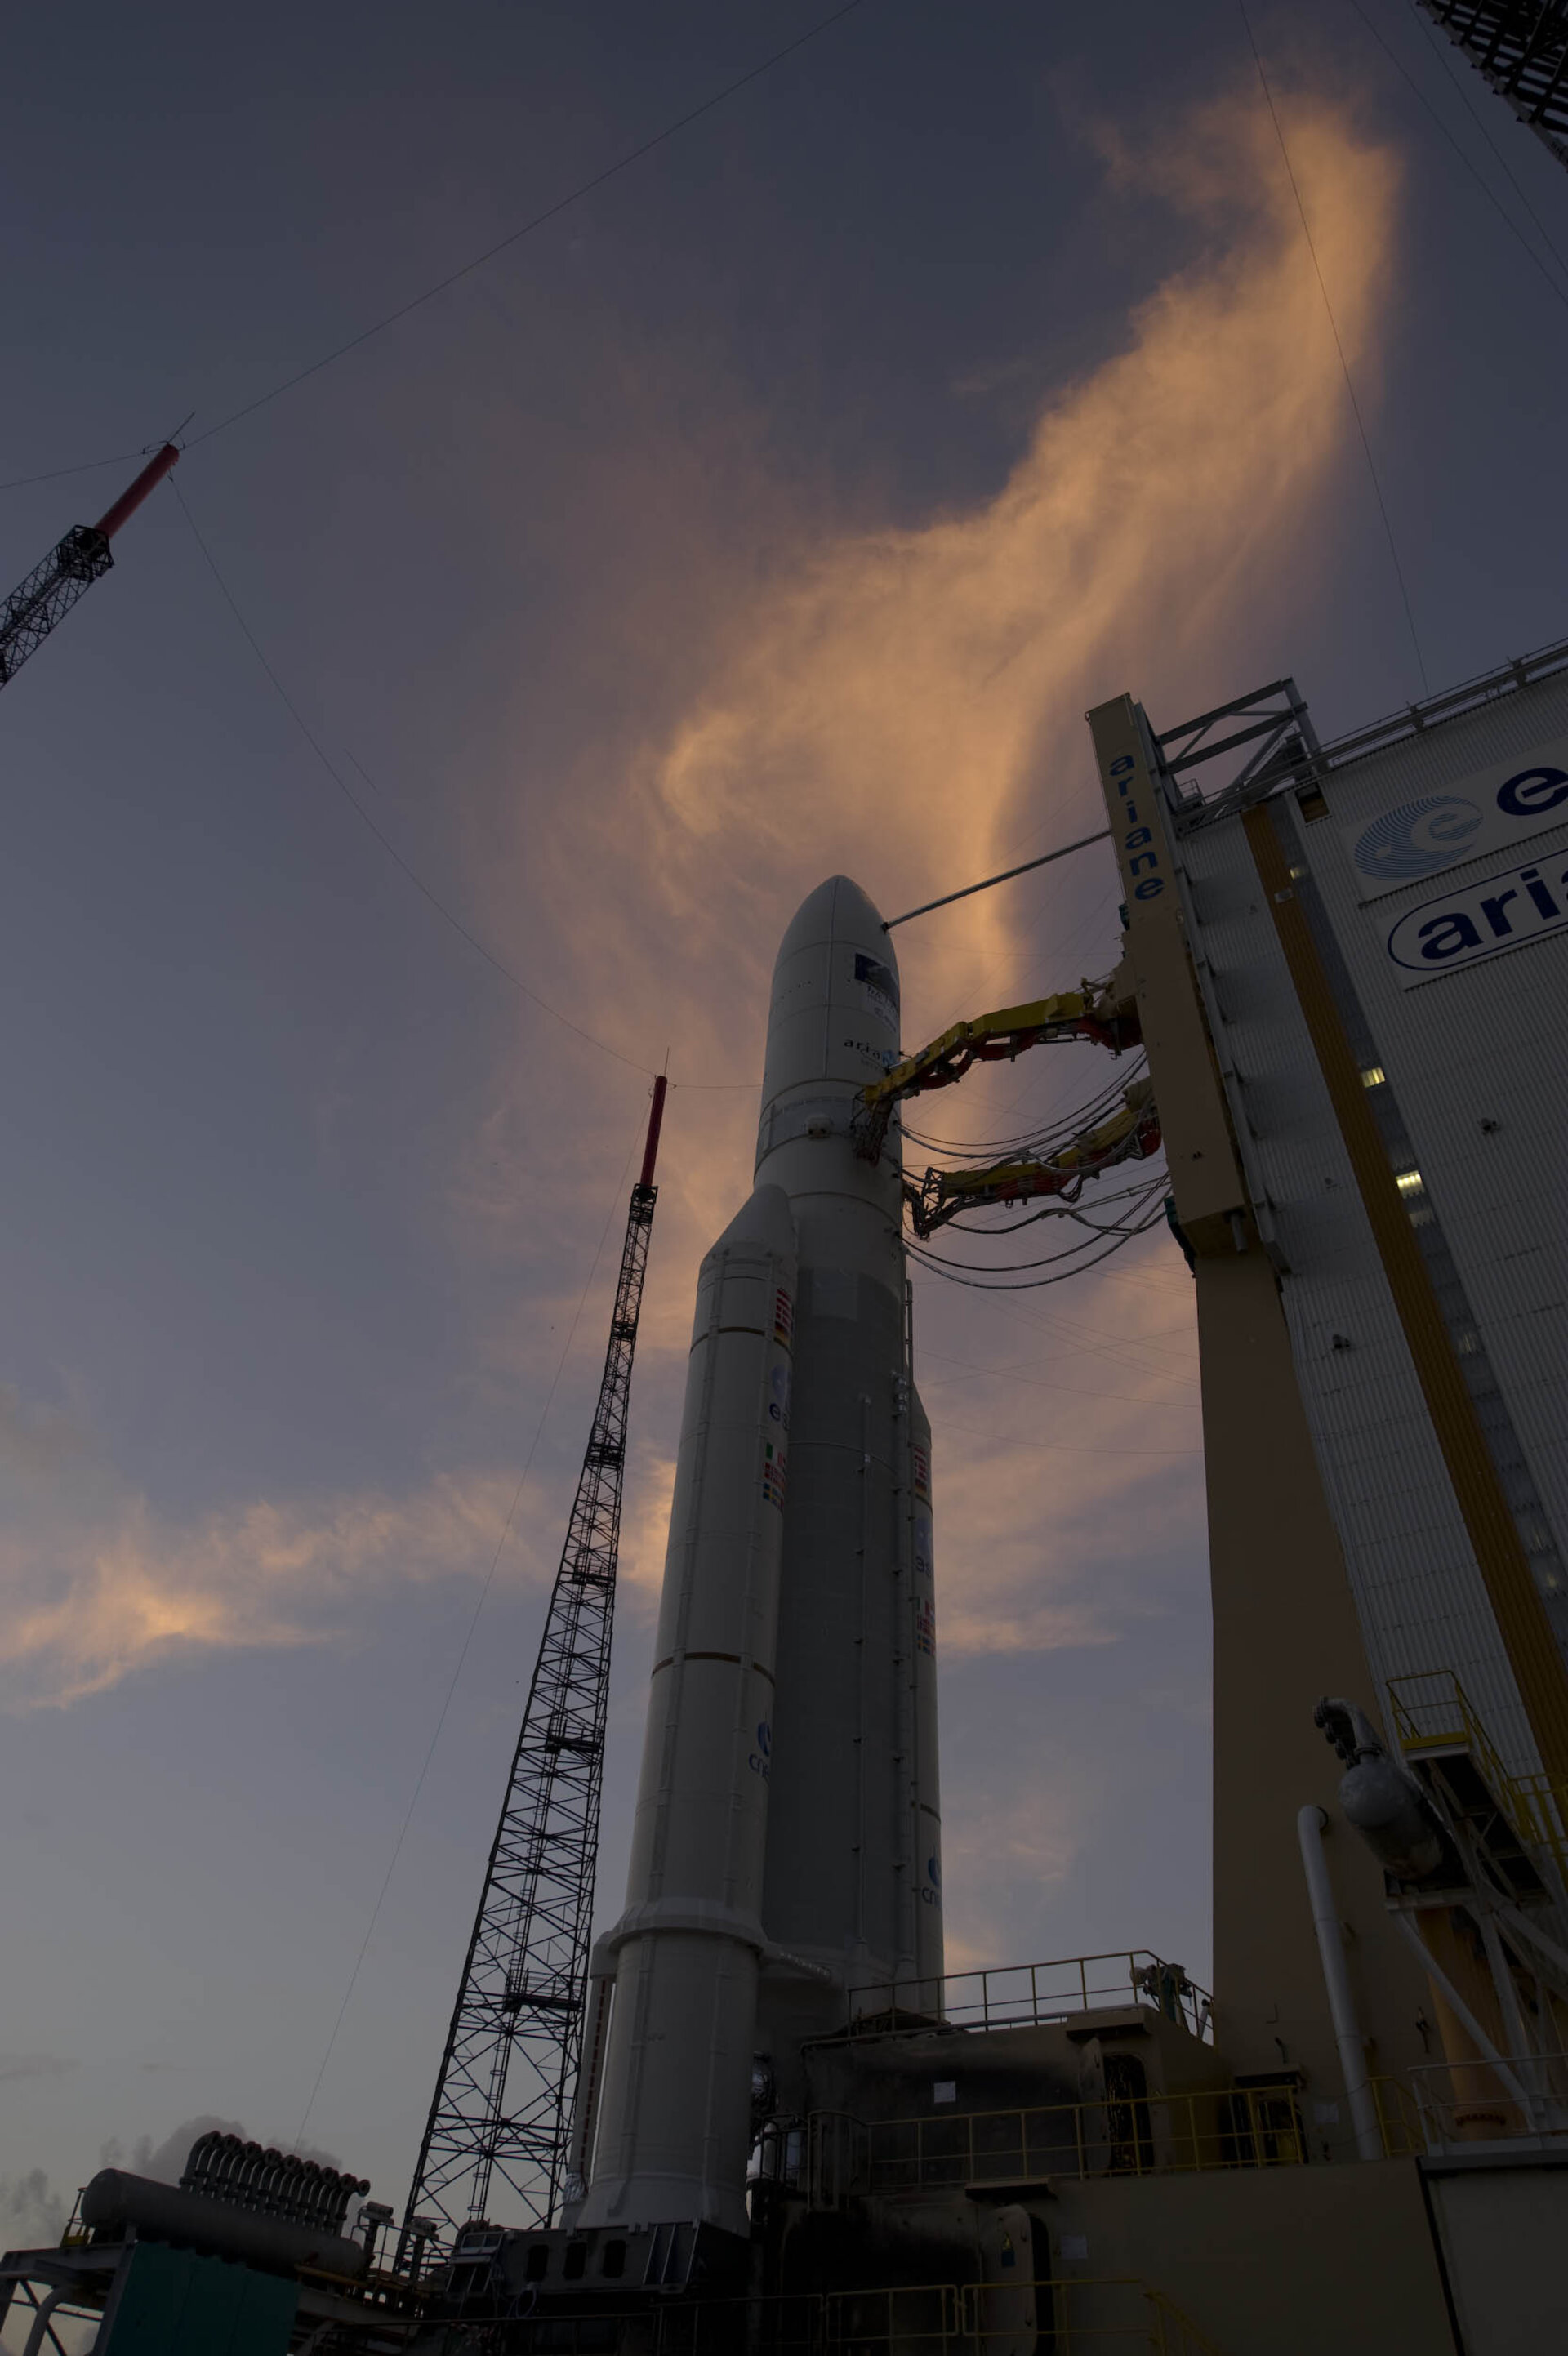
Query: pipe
<point x="655" y="1123"/>
<point x="1311" y="1824"/>
<point x="1467" y="2019"/>
<point x="580" y="2151"/>
<point x="1006" y="876"/>
<point x="116" y="2202"/>
<point x="41" y="2328"/>
<point x="1507" y="1993"/>
<point x="1526" y="1928"/>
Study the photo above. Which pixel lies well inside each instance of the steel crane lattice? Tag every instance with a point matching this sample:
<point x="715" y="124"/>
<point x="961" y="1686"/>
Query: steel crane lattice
<point x="1521" y="48"/>
<point x="500" y="2120"/>
<point x="69" y="571"/>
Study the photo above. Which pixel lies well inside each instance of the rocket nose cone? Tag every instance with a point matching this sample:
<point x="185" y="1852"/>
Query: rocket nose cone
<point x="834" y="1015"/>
<point x="836" y="910"/>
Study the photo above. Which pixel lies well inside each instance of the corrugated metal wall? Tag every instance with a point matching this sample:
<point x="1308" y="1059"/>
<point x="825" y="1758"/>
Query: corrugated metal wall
<point x="1479" y="1044"/>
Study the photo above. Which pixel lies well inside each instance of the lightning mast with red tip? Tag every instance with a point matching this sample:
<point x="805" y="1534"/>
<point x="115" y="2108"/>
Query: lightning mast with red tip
<point x="69" y="569"/>
<point x="499" y="2125"/>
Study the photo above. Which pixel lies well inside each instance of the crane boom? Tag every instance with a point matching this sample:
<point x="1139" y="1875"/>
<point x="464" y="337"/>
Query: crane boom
<point x="1131" y="1135"/>
<point x="69" y="570"/>
<point x="1105" y="1013"/>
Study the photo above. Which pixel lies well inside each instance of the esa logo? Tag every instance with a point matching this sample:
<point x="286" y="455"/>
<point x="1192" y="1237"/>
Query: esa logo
<point x="1418" y="839"/>
<point x="1422" y="838"/>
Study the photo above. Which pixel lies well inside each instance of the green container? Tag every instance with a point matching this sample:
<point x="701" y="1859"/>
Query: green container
<point x="174" y="2303"/>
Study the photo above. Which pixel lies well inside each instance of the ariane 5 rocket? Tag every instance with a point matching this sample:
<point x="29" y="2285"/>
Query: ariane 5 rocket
<point x="785" y="1865"/>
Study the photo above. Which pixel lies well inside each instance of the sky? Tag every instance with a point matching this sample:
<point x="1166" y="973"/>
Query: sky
<point x="450" y="746"/>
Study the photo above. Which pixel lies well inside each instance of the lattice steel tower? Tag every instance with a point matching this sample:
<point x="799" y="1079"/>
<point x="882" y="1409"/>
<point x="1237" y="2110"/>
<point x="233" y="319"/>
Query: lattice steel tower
<point x="69" y="571"/>
<point x="1522" y="47"/>
<point x="503" y="2097"/>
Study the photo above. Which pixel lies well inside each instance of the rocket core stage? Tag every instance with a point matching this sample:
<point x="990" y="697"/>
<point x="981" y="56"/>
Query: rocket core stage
<point x="786" y="1848"/>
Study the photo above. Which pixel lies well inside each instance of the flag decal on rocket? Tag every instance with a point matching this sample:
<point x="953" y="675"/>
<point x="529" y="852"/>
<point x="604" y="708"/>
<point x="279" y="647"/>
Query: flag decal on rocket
<point x="878" y="977"/>
<point x="783" y="1317"/>
<point x="778" y="1404"/>
<point x="926" y="1626"/>
<point x="774" y="1466"/>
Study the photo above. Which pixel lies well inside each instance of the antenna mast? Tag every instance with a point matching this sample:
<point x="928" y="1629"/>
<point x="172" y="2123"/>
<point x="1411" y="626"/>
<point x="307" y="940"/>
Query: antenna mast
<point x="69" y="571"/>
<point x="503" y="2096"/>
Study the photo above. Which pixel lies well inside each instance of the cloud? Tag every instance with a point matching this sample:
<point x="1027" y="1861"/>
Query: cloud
<point x="894" y="699"/>
<point x="38" y="1440"/>
<point x="33" y="2065"/>
<point x="998" y="1842"/>
<point x="32" y="2214"/>
<point x="904" y="702"/>
<point x="645" y="1527"/>
<point x="96" y="1588"/>
<point x="166" y="2159"/>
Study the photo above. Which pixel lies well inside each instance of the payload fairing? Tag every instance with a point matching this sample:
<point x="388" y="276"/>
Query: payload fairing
<point x="786" y="1861"/>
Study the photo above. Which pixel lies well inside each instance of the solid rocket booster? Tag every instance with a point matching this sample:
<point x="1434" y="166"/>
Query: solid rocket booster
<point x="786" y="1867"/>
<point x="672" y="2134"/>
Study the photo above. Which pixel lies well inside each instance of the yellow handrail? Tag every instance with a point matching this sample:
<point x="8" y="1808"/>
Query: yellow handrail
<point x="1117" y="2135"/>
<point x="964" y="2317"/>
<point x="1432" y="1711"/>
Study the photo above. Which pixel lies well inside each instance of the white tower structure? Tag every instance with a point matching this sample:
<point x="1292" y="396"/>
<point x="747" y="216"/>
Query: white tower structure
<point x="786" y="1864"/>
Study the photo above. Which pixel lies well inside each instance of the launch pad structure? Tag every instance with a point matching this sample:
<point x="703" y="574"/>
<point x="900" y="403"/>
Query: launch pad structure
<point x="1365" y="2131"/>
<point x="792" y="2129"/>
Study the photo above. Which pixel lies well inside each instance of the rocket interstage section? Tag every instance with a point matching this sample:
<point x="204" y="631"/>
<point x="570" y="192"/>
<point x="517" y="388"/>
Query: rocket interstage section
<point x="785" y="1865"/>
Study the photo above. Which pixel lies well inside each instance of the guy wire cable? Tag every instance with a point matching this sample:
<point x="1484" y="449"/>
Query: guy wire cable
<point x="477" y="261"/>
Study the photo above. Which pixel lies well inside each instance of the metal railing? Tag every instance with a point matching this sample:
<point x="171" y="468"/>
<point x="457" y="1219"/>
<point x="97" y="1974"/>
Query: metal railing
<point x="1131" y="2134"/>
<point x="1111" y="2315"/>
<point x="1431" y="1712"/>
<point x="1022" y="1996"/>
<point x="1106" y="2315"/>
<point x="1444" y="2107"/>
<point x="1520" y="2099"/>
<point x="1398" y="2119"/>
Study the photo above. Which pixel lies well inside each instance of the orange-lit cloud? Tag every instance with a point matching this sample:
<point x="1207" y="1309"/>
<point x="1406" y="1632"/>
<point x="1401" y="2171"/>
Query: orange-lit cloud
<point x="904" y="703"/>
<point x="95" y="1585"/>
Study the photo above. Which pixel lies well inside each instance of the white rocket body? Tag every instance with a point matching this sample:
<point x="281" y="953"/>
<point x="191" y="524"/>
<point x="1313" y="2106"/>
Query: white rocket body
<point x="786" y="1864"/>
